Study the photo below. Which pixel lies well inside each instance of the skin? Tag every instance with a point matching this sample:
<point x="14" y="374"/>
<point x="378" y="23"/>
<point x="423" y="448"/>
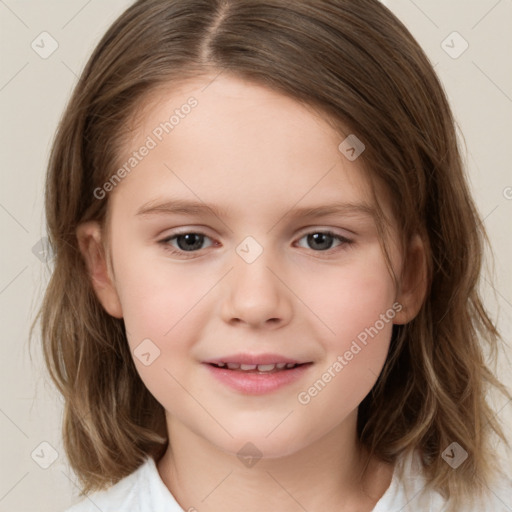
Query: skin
<point x="258" y="155"/>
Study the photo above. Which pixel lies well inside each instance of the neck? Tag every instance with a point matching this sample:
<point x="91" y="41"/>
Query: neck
<point x="328" y="474"/>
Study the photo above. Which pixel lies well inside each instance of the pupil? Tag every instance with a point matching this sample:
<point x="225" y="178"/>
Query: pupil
<point x="321" y="240"/>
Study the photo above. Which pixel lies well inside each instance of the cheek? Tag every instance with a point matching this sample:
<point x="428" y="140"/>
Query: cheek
<point x="351" y="298"/>
<point x="163" y="309"/>
<point x="159" y="315"/>
<point x="156" y="297"/>
<point x="355" y="303"/>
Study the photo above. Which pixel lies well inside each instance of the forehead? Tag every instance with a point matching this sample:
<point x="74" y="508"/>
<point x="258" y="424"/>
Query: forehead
<point x="225" y="105"/>
<point x="240" y="144"/>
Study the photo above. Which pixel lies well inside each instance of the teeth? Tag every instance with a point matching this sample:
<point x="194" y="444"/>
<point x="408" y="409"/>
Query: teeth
<point x="251" y="367"/>
<point x="266" y="367"/>
<point x="248" y="366"/>
<point x="258" y="367"/>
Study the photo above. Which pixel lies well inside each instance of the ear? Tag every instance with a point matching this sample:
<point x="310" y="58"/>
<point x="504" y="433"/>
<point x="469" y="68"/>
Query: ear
<point x="89" y="235"/>
<point x="413" y="284"/>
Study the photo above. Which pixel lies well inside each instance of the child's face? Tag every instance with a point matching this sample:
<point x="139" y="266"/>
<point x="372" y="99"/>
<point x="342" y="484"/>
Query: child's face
<point x="256" y="285"/>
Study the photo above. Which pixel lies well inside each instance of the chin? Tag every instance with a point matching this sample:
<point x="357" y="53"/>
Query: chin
<point x="258" y="443"/>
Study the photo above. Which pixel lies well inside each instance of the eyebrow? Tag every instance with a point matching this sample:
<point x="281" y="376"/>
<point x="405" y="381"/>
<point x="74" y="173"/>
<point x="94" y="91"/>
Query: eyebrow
<point x="186" y="207"/>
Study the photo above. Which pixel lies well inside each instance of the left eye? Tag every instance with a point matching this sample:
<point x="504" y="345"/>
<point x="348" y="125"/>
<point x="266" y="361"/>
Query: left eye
<point x="323" y="240"/>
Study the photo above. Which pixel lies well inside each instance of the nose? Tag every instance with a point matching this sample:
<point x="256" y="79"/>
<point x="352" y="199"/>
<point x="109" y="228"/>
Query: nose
<point x="255" y="294"/>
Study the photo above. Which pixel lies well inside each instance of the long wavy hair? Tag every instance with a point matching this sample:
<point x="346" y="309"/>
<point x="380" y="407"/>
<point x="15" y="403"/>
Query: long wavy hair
<point x="355" y="62"/>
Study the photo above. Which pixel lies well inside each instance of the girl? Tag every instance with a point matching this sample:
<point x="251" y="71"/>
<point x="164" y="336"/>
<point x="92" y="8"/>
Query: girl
<point x="265" y="294"/>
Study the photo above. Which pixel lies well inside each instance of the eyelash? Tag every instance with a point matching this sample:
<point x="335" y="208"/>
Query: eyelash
<point x="344" y="242"/>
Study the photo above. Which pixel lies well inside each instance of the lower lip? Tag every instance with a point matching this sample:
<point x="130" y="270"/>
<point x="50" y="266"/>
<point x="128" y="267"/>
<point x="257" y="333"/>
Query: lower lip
<point x="257" y="383"/>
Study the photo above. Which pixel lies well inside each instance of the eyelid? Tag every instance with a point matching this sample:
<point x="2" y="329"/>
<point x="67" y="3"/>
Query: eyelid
<point x="326" y="229"/>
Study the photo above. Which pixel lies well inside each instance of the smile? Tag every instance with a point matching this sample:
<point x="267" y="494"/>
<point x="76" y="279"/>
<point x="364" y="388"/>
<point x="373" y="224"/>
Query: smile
<point x="256" y="374"/>
<point x="257" y="368"/>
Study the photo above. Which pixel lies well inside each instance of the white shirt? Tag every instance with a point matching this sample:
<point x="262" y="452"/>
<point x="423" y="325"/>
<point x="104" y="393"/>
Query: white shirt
<point x="144" y="491"/>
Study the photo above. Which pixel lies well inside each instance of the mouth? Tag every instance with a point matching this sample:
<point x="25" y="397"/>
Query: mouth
<point x="257" y="375"/>
<point x="258" y="368"/>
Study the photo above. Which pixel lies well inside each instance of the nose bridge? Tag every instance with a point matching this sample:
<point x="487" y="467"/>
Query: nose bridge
<point x="254" y="295"/>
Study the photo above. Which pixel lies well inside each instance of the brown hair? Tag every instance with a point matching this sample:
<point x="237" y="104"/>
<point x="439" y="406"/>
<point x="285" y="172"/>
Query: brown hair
<point x="358" y="65"/>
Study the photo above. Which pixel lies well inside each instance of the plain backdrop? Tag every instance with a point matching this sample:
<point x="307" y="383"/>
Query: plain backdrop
<point x="474" y="65"/>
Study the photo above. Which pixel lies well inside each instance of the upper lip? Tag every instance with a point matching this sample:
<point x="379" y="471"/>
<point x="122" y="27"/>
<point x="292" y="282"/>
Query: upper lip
<point x="254" y="359"/>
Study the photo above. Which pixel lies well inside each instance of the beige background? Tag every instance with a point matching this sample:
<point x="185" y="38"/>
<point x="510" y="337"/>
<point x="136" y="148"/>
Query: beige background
<point x="33" y="92"/>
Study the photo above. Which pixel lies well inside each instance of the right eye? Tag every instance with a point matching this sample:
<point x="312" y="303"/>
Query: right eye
<point x="182" y="243"/>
